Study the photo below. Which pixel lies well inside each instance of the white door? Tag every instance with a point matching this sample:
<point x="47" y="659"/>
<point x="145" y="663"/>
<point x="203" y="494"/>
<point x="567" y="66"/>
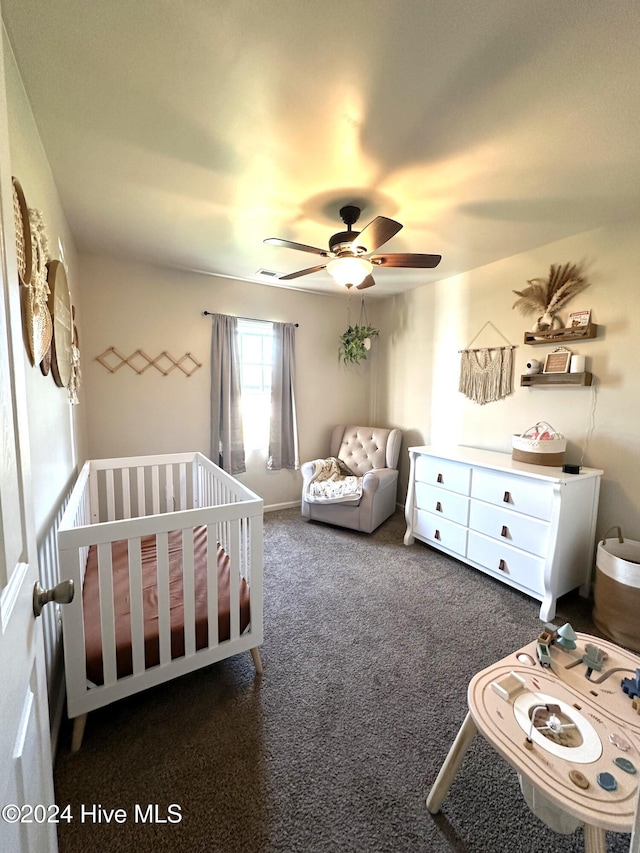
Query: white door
<point x="27" y="810"/>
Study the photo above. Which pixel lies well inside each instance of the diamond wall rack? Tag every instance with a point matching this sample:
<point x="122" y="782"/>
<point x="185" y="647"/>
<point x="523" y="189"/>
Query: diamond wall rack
<point x="140" y="362"/>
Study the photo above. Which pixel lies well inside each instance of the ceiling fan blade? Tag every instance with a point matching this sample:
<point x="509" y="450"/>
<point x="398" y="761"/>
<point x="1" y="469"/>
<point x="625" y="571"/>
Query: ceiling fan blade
<point x="407" y="260"/>
<point x="368" y="282"/>
<point x="301" y="272"/>
<point x="377" y="232"/>
<point x="301" y="247"/>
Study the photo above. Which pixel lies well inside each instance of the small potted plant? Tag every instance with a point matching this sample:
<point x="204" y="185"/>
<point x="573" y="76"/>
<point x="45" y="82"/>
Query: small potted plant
<point x="355" y="343"/>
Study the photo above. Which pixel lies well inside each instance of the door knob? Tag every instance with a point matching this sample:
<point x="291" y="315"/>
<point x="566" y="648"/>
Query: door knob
<point x="61" y="594"/>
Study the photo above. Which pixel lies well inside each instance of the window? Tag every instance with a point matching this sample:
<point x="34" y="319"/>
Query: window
<point x="256" y="360"/>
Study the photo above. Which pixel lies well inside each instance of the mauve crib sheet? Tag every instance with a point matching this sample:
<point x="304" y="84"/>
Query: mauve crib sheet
<point x="122" y="602"/>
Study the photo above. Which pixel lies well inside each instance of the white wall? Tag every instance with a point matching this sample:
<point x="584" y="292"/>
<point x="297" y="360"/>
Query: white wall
<point x="57" y="432"/>
<point x="425" y="329"/>
<point x="56" y="429"/>
<point x="134" y="306"/>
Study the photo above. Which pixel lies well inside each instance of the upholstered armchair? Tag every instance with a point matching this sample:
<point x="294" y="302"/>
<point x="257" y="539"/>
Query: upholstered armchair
<point x="371" y="453"/>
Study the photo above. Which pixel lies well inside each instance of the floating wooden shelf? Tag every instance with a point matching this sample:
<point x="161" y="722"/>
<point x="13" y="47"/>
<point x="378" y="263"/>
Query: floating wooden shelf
<point x="555" y="379"/>
<point x="582" y="333"/>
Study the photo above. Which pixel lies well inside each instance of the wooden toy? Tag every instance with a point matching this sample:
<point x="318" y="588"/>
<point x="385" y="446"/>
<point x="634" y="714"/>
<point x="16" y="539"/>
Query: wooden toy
<point x="631" y="686"/>
<point x="566" y="637"/>
<point x="543" y="648"/>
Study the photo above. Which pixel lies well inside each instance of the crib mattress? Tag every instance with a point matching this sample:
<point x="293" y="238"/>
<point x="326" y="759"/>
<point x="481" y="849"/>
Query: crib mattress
<point x="122" y="602"/>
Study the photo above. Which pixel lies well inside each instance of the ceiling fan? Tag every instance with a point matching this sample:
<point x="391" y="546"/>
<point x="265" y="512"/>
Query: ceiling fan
<point x="351" y="253"/>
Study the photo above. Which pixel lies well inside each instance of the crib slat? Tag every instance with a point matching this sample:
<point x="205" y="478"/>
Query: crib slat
<point x="142" y="510"/>
<point x="222" y="530"/>
<point x="107" y="613"/>
<point x="183" y="486"/>
<point x="137" y="609"/>
<point x="243" y="568"/>
<point x="164" y="619"/>
<point x="202" y="487"/>
<point x="94" y="504"/>
<point x="188" y="591"/>
<point x="170" y="504"/>
<point x="212" y="585"/>
<point x="155" y="489"/>
<point x="196" y="476"/>
<point x="234" y="578"/>
<point x="111" y="503"/>
<point x="126" y="494"/>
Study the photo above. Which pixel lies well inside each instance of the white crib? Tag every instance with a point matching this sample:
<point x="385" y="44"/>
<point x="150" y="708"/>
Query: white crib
<point x="131" y="504"/>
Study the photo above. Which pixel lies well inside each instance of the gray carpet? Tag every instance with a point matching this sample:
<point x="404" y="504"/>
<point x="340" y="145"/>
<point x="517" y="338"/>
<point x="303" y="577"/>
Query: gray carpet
<point x="369" y="646"/>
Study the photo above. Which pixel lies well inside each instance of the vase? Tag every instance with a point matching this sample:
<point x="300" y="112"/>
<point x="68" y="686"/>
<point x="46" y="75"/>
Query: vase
<point x="547" y="322"/>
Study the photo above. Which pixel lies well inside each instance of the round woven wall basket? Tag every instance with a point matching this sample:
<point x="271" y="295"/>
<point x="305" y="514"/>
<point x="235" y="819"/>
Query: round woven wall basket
<point x="60" y="307"/>
<point x="38" y="326"/>
<point x="23" y="234"/>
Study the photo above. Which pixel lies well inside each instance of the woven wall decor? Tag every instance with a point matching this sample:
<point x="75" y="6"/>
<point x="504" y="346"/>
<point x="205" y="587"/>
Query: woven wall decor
<point x="75" y="379"/>
<point x="35" y="311"/>
<point x="60" y="308"/>
<point x="486" y="373"/>
<point x="23" y="234"/>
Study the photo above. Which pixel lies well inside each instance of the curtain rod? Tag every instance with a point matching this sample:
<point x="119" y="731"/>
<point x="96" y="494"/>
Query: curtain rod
<point x="211" y="313"/>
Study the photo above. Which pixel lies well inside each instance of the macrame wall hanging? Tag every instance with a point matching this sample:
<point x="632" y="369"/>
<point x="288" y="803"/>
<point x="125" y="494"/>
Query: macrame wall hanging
<point x="486" y="373"/>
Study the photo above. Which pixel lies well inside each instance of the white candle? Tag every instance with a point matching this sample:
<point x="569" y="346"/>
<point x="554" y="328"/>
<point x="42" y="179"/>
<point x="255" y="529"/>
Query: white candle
<point x="578" y="363"/>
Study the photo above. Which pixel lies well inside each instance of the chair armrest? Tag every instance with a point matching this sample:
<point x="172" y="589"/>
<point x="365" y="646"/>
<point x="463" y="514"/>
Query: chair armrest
<point x="379" y="478"/>
<point x="310" y="470"/>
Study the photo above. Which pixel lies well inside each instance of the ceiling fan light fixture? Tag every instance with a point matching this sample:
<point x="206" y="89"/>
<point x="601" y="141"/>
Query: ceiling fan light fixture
<point x="349" y="271"/>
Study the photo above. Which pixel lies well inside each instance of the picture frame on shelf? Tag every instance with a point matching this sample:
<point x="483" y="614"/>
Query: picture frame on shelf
<point x="579" y="319"/>
<point x="557" y="361"/>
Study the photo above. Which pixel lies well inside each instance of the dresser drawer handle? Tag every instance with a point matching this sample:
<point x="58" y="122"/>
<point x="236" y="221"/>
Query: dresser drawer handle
<point x="507" y="497"/>
<point x="439" y="479"/>
<point x="436" y="535"/>
<point x="438" y="506"/>
<point x="502" y="566"/>
<point x="505" y="531"/>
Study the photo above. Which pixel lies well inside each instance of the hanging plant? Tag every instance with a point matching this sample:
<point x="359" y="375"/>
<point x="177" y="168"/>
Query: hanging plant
<point x="355" y="343"/>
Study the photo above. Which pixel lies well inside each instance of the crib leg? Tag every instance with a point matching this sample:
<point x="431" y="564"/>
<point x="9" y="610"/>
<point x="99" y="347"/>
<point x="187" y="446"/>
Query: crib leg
<point x="257" y="661"/>
<point x="78" y="732"/>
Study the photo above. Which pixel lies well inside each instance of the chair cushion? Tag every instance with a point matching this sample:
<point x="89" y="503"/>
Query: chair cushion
<point x="363" y="448"/>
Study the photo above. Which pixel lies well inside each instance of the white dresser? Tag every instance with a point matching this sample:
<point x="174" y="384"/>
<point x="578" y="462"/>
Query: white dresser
<point x="530" y="526"/>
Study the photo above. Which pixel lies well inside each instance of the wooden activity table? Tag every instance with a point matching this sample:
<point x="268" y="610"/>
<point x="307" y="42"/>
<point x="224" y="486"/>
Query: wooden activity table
<point x="581" y="756"/>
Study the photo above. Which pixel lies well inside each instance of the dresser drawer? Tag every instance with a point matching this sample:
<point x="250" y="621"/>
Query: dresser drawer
<point x="517" y="493"/>
<point x="449" y="505"/>
<point x="509" y="563"/>
<point x="510" y="528"/>
<point x="439" y="531"/>
<point x="453" y="476"/>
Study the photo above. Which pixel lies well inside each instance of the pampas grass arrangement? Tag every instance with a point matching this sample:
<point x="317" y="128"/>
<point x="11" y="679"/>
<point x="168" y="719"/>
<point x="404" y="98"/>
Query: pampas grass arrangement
<point x="546" y="296"/>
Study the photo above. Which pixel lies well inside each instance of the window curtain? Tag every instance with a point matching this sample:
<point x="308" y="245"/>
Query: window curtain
<point x="283" y="428"/>
<point x="227" y="446"/>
